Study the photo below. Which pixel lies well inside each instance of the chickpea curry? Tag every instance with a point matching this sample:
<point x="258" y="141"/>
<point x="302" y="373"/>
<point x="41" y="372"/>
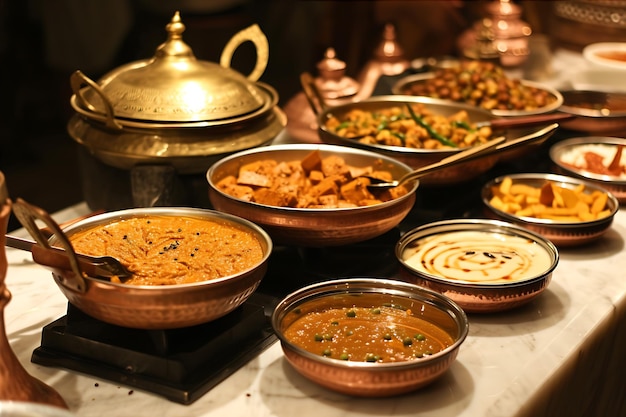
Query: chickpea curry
<point x="481" y="84"/>
<point x="382" y="334"/>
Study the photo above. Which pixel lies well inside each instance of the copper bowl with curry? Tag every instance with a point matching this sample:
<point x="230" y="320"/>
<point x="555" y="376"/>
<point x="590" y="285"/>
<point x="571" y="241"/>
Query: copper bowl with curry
<point x="189" y="266"/>
<point x="369" y="337"/>
<point x="311" y="195"/>
<point x="419" y="131"/>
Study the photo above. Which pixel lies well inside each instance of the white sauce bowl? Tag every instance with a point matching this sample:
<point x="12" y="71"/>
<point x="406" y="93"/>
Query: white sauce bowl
<point x="482" y="265"/>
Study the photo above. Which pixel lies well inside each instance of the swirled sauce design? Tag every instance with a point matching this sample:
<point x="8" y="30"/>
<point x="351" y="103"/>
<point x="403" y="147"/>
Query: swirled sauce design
<point x="478" y="257"/>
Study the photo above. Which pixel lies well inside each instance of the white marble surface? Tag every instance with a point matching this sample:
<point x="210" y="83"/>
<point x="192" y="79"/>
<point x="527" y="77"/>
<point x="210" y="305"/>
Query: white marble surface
<point x="529" y="361"/>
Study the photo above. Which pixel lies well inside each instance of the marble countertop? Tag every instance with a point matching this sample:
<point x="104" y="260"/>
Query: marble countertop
<point x="555" y="353"/>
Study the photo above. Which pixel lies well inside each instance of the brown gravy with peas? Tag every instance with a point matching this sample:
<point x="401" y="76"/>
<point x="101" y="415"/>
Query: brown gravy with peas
<point x="172" y="250"/>
<point x="363" y="334"/>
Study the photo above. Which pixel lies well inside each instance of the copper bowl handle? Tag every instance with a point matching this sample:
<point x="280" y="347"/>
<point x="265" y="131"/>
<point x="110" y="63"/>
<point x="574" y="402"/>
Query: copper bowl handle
<point x="27" y="214"/>
<point x="312" y="93"/>
<point x="255" y="35"/>
<point x="77" y="80"/>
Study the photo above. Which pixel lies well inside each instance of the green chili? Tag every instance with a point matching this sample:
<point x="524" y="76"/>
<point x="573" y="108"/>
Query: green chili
<point x="464" y="125"/>
<point x="400" y="136"/>
<point x="430" y="130"/>
<point x="343" y="125"/>
<point x="382" y="125"/>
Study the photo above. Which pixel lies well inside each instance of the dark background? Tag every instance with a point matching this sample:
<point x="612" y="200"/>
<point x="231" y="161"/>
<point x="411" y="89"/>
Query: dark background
<point x="42" y="42"/>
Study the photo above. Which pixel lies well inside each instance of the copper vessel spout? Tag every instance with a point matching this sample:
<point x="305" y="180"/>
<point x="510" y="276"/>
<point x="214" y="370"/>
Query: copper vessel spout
<point x="15" y="383"/>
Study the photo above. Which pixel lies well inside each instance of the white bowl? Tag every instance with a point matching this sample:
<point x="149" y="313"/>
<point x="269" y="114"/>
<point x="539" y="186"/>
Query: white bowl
<point x="598" y="54"/>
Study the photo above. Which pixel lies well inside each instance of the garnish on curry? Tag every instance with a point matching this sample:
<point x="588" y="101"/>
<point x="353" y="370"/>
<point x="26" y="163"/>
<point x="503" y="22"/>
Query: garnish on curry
<point x="170" y="250"/>
<point x="385" y="333"/>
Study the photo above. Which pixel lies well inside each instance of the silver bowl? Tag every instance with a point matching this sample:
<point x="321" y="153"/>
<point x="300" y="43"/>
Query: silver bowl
<point x="405" y="83"/>
<point x="492" y="289"/>
<point x="164" y="306"/>
<point x="367" y="379"/>
<point x="310" y="226"/>
<point x="561" y="233"/>
<point x="597" y="112"/>
<point x="614" y="184"/>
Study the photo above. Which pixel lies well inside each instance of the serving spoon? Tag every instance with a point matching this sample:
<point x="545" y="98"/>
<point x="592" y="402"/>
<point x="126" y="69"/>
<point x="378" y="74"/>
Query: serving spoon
<point x="488" y="148"/>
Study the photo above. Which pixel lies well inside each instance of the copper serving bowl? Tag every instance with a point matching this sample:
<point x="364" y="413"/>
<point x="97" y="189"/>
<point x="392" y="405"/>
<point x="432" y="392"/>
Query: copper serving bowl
<point x="404" y="84"/>
<point x="165" y="306"/>
<point x="483" y="265"/>
<point x="310" y="226"/>
<point x="365" y="379"/>
<point x="568" y="154"/>
<point x="560" y="231"/>
<point x="596" y="112"/>
<point x="417" y="158"/>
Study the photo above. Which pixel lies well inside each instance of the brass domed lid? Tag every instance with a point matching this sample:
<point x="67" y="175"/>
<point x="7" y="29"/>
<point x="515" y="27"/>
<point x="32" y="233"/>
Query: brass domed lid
<point x="175" y="87"/>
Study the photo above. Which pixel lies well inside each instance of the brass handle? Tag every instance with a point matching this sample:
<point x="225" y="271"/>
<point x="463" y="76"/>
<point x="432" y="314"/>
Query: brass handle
<point x="257" y="37"/>
<point x="27" y="214"/>
<point x="77" y="81"/>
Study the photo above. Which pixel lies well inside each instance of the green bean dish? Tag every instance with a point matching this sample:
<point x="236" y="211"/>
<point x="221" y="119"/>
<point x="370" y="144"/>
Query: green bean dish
<point x="411" y="126"/>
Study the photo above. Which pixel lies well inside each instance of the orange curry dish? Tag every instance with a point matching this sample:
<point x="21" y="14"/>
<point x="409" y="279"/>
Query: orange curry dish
<point x="172" y="250"/>
<point x="367" y="334"/>
<point x="313" y="182"/>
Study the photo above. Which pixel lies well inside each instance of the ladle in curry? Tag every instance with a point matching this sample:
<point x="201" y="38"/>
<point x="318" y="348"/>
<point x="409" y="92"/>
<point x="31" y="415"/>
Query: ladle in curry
<point x="488" y="148"/>
<point x="64" y="257"/>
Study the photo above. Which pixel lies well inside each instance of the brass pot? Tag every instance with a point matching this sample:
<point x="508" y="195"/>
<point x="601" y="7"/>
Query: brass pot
<point x="175" y="109"/>
<point x="150" y="306"/>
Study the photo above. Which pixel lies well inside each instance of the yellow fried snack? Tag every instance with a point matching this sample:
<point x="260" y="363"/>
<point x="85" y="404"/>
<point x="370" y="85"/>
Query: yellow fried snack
<point x="549" y="201"/>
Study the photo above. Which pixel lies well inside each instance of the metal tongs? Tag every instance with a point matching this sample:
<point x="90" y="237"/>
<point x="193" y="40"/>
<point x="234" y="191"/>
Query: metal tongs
<point x="62" y="258"/>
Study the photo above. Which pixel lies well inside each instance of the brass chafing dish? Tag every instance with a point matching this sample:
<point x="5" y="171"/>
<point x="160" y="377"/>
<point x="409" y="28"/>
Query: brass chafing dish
<point x="174" y="109"/>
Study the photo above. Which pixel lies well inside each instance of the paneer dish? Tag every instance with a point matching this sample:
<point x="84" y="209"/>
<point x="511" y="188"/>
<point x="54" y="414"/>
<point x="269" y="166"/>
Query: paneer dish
<point x="314" y="182"/>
